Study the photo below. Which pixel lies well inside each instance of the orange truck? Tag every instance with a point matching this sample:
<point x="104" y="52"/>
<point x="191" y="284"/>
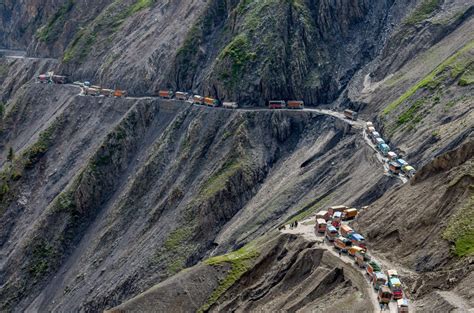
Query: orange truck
<point x="342" y="244"/>
<point x="211" y="102"/>
<point x="293" y="104"/>
<point x="166" y="94"/>
<point x="346" y="230"/>
<point x="349" y="214"/>
<point x="119" y="93"/>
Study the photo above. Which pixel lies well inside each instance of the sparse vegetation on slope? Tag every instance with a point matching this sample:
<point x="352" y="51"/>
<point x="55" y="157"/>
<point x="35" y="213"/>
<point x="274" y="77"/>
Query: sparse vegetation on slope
<point x="455" y="64"/>
<point x="460" y="229"/>
<point x="54" y="27"/>
<point x="423" y="11"/>
<point x="240" y="261"/>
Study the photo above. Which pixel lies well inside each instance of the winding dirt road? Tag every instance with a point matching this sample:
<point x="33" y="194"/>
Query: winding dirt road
<point x="306" y="229"/>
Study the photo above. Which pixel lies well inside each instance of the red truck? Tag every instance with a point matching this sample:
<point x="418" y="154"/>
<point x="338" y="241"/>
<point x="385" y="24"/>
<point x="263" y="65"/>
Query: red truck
<point x="276" y="104"/>
<point x="211" y="102"/>
<point x="166" y="94"/>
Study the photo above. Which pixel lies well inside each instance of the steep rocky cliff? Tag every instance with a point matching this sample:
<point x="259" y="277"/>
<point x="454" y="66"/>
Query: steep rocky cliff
<point x="104" y="198"/>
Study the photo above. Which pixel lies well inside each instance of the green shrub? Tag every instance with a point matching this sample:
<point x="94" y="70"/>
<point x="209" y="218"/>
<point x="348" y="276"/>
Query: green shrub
<point x="423" y="11"/>
<point x="54" y="27"/>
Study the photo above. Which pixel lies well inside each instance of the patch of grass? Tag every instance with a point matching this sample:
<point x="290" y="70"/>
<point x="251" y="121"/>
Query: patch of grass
<point x="39" y="148"/>
<point x="423" y="11"/>
<point x="467" y="77"/>
<point x="460" y="229"/>
<point x="430" y="81"/>
<point x="238" y="51"/>
<point x="42" y="253"/>
<point x="176" y="249"/>
<point x="410" y="115"/>
<point x="54" y="27"/>
<point x="240" y="261"/>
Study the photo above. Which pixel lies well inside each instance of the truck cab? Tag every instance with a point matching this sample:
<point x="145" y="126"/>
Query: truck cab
<point x="320" y="226"/>
<point x="336" y="219"/>
<point x="379" y="279"/>
<point x="358" y="240"/>
<point x="394" y="168"/>
<point x="331" y="233"/>
<point x="396" y="287"/>
<point x="402" y="306"/>
<point x="384" y="148"/>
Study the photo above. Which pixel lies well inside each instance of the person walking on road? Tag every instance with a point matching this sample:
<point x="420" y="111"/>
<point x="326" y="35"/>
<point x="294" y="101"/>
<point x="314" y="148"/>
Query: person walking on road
<point x="296" y="224"/>
<point x="340" y="253"/>
<point x="382" y="306"/>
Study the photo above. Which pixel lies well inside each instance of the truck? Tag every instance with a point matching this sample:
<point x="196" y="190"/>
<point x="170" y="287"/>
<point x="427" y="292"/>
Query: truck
<point x="402" y="306"/>
<point x="392" y="156"/>
<point x="342" y="244"/>
<point x="409" y="170"/>
<point x="336" y="219"/>
<point x="89" y="91"/>
<point x="322" y="214"/>
<point x="354" y="249"/>
<point x="337" y="208"/>
<point x="395" y="287"/>
<point x="362" y="258"/>
<point x="293" y="104"/>
<point x="369" y="124"/>
<point x="370" y="130"/>
<point x="349" y="214"/>
<point x="198" y="99"/>
<point x="371" y="268"/>
<point x="44" y="78"/>
<point x="59" y="79"/>
<point x="331" y="233"/>
<point x="320" y="226"/>
<point x="351" y="115"/>
<point x="182" y="96"/>
<point x="384" y="295"/>
<point x="384" y="148"/>
<point x="374" y="136"/>
<point x="379" y="279"/>
<point x="346" y="230"/>
<point x="165" y="94"/>
<point x="119" y="93"/>
<point x="358" y="240"/>
<point x="379" y="141"/>
<point x="392" y="273"/>
<point x="394" y="167"/>
<point x="276" y="104"/>
<point x="230" y="105"/>
<point x="107" y="92"/>
<point x="211" y="102"/>
<point x="402" y="162"/>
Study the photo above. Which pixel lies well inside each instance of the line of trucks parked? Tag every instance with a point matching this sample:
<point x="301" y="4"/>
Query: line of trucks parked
<point x="211" y="102"/>
<point x="396" y="165"/>
<point x="88" y="89"/>
<point x="94" y="90"/>
<point x="387" y="284"/>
